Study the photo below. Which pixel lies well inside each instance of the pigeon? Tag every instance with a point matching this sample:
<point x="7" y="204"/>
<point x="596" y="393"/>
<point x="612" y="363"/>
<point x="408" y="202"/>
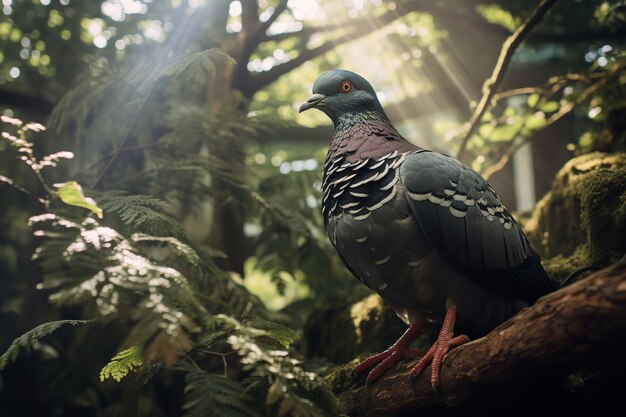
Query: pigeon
<point x="418" y="227"/>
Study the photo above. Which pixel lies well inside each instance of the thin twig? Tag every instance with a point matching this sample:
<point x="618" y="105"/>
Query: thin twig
<point x="499" y="71"/>
<point x="126" y="136"/>
<point x="518" y="92"/>
<point x="129" y="148"/>
<point x="223" y="356"/>
<point x="565" y="109"/>
<point x="264" y="26"/>
<point x="10" y="182"/>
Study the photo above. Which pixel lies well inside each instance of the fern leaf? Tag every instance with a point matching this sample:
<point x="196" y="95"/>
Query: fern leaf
<point x="188" y="253"/>
<point x="292" y="390"/>
<point x="209" y="394"/>
<point x="196" y="67"/>
<point x="32" y="336"/>
<point x="95" y="265"/>
<point x="281" y="334"/>
<point x="140" y="212"/>
<point x="122" y="363"/>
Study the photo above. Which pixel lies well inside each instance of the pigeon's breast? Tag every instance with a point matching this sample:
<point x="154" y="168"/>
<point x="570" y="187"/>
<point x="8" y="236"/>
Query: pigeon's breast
<point x="370" y="223"/>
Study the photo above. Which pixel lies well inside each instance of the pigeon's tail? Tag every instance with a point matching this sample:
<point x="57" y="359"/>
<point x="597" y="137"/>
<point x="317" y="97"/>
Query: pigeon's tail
<point x="572" y="277"/>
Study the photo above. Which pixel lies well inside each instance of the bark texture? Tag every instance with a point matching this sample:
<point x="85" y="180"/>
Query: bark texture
<point x="579" y="325"/>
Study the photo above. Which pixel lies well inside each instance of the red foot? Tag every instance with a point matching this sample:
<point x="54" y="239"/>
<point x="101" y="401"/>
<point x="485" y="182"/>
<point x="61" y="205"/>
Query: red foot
<point x="437" y="352"/>
<point x="389" y="357"/>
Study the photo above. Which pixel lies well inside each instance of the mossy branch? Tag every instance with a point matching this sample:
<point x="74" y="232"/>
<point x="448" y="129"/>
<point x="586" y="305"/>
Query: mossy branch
<point x="562" y="329"/>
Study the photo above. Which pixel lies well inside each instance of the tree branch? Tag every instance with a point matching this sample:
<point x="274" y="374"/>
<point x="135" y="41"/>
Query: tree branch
<point x="303" y="33"/>
<point x="454" y="15"/>
<point x="280" y="8"/>
<point x="556" y="335"/>
<point x="249" y="14"/>
<point x="265" y="78"/>
<point x="491" y="85"/>
<point x="564" y="110"/>
<point x="120" y="148"/>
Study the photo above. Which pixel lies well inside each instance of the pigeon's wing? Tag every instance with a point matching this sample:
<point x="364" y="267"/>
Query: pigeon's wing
<point x="463" y="217"/>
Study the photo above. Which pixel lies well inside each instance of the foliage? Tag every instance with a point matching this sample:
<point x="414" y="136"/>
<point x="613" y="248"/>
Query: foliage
<point x="31" y="337"/>
<point x="143" y="213"/>
<point x="211" y="394"/>
<point x="72" y="193"/>
<point x="599" y="90"/>
<point x="290" y="389"/>
<point x="140" y="282"/>
<point x="122" y="363"/>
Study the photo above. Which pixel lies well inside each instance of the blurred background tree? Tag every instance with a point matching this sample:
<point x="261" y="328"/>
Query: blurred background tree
<point x="182" y="118"/>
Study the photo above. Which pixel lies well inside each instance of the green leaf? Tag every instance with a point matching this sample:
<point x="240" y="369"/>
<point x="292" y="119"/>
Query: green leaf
<point x="176" y="245"/>
<point x="208" y="394"/>
<point x="283" y="335"/>
<point x="486" y="130"/>
<point x="549" y="106"/>
<point x="32" y="336"/>
<point x="535" y="121"/>
<point x="143" y="213"/>
<point x="510" y="111"/>
<point x="194" y="67"/>
<point x="72" y="193"/>
<point x="496" y="15"/>
<point x="122" y="363"/>
<point x="533" y="99"/>
<point x="505" y="132"/>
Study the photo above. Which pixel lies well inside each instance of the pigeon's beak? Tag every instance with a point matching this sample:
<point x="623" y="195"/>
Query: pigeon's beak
<point x="311" y="102"/>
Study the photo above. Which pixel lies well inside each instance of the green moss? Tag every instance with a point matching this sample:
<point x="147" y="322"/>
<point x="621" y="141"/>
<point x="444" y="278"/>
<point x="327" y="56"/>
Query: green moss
<point x="365" y="311"/>
<point x="559" y="267"/>
<point x="341" y="378"/>
<point x="345" y="331"/>
<point x="603" y="212"/>
<point x="584" y="207"/>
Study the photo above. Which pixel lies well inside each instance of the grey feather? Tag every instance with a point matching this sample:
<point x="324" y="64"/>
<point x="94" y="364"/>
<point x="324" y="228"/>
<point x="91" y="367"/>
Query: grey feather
<point x="479" y="240"/>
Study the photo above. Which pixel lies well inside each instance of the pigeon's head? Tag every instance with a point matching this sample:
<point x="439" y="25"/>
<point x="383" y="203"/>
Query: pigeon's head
<point x="340" y="92"/>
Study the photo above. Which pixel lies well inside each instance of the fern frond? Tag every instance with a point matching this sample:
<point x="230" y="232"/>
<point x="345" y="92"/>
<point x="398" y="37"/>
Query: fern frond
<point x="30" y="337"/>
<point x="291" y="388"/>
<point x="98" y="267"/>
<point x="277" y="332"/>
<point x="122" y="363"/>
<point x="195" y="67"/>
<point x="74" y="107"/>
<point x="141" y="212"/>
<point x="291" y="405"/>
<point x="181" y="249"/>
<point x="208" y="394"/>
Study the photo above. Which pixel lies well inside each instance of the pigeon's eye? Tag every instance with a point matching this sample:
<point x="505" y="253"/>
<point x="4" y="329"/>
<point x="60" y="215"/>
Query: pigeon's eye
<point x="345" y="87"/>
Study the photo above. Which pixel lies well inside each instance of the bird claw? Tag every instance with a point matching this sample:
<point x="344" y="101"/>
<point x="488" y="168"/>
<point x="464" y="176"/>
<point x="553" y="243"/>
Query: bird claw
<point x="436" y="356"/>
<point x="386" y="359"/>
<point x="383" y="361"/>
<point x="438" y="352"/>
<point x="435" y="388"/>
